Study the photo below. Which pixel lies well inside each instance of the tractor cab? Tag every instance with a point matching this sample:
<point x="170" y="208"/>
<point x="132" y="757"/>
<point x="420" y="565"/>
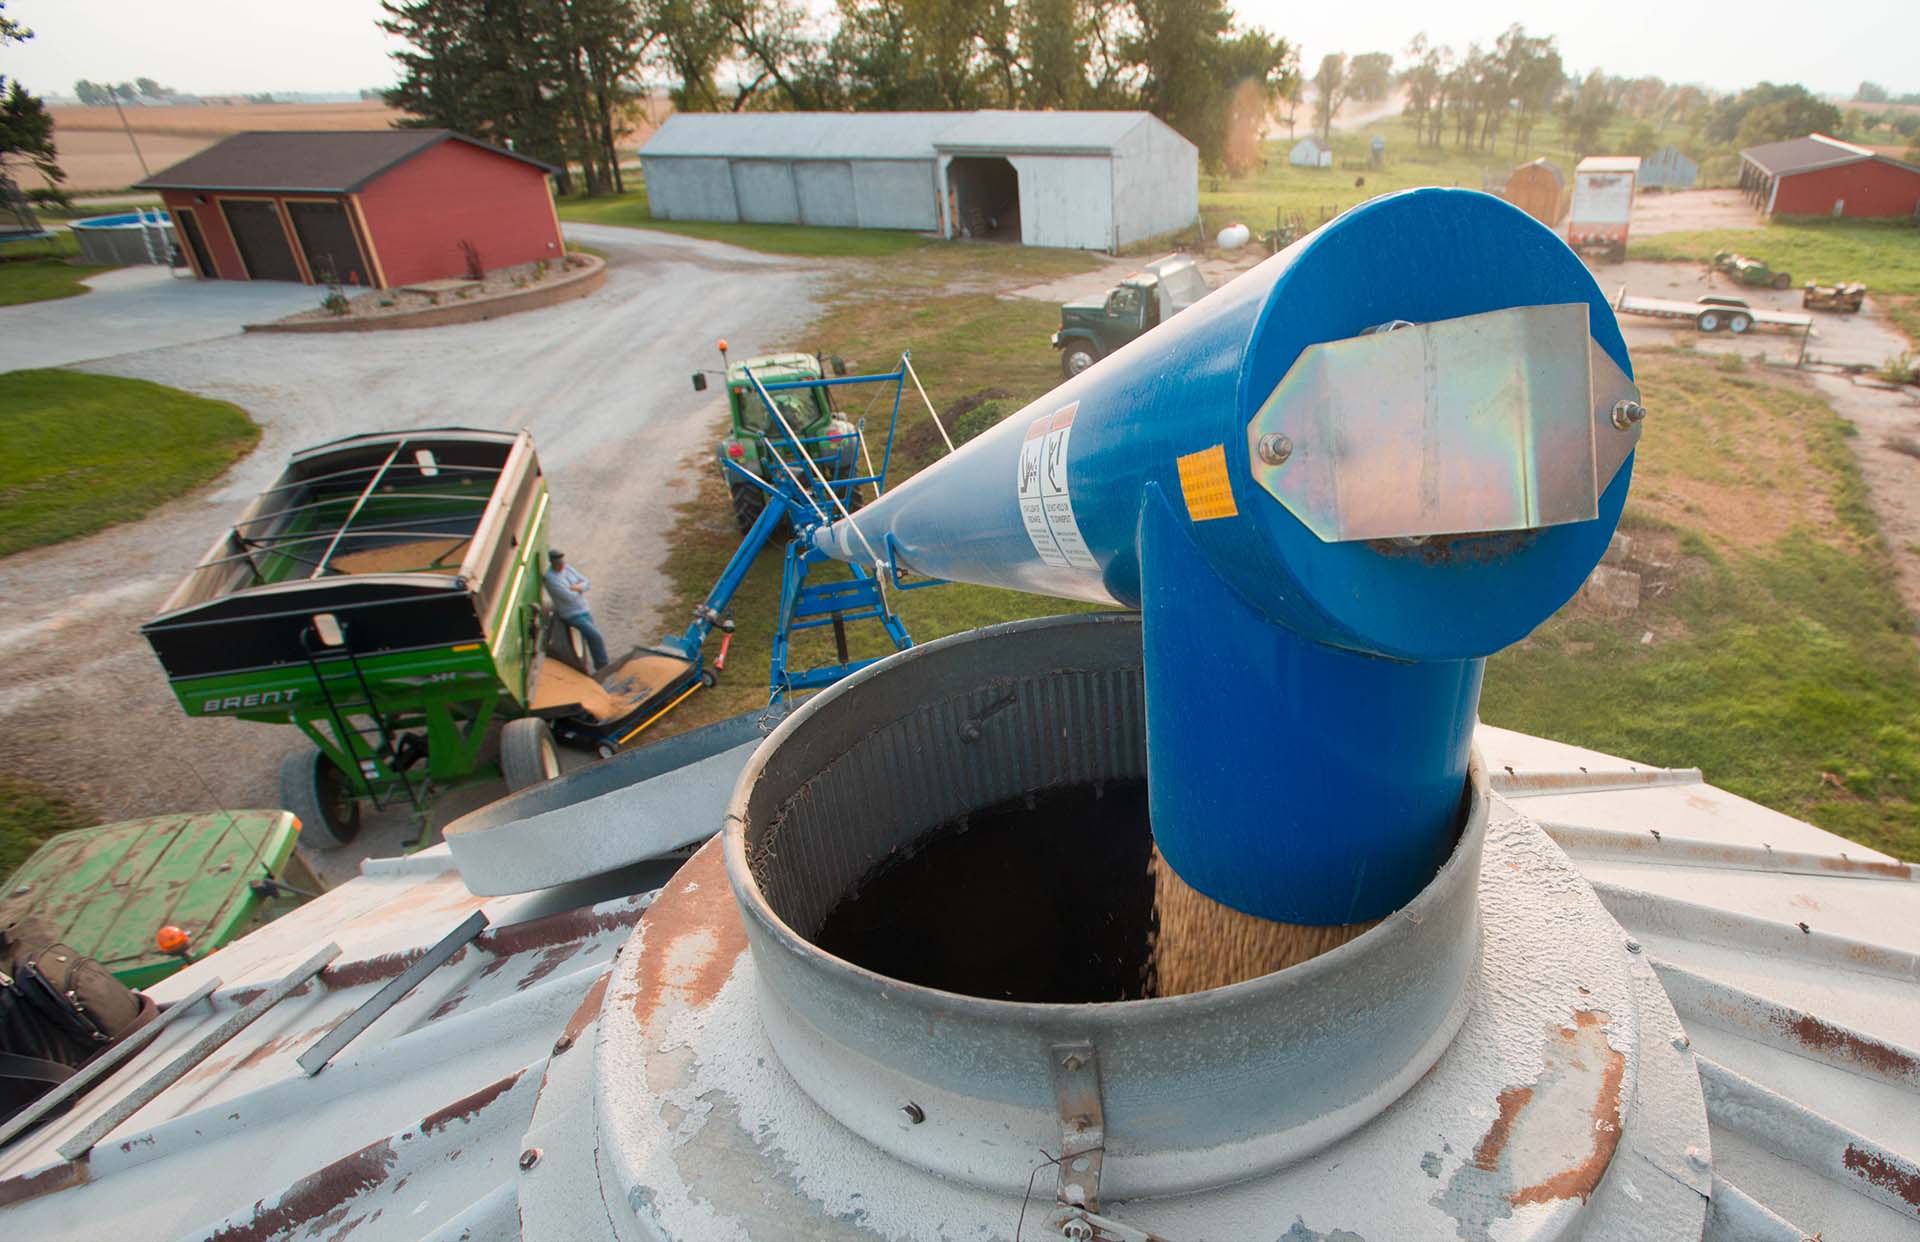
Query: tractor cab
<point x="757" y="443"/>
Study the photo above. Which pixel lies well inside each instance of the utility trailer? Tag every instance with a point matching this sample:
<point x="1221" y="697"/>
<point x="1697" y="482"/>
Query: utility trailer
<point x="1711" y="313"/>
<point x="383" y="595"/>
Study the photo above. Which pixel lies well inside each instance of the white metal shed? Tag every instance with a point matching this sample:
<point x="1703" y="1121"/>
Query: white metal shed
<point x="1088" y="180"/>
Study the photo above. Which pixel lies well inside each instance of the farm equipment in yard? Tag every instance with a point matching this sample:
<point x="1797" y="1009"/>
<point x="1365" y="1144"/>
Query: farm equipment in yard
<point x="788" y="477"/>
<point x="1747" y="271"/>
<point x="146" y="897"/>
<point x="901" y="995"/>
<point x="1090" y="330"/>
<point x="1710" y="313"/>
<point x="384" y="596"/>
<point x="749" y="454"/>
<point x="1846" y="299"/>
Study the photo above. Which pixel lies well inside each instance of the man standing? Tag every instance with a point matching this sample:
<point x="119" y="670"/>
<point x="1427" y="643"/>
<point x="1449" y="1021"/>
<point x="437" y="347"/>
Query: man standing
<point x="567" y="588"/>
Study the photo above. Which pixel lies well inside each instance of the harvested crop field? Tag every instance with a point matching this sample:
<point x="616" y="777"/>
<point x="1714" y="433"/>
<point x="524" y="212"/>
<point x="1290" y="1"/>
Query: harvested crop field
<point x="96" y="155"/>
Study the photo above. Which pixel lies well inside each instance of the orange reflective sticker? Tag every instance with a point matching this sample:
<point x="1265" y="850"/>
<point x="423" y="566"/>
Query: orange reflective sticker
<point x="1204" y="484"/>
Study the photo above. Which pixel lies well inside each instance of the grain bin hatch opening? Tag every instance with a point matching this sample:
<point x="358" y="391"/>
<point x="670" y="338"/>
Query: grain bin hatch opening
<point x="985" y="194"/>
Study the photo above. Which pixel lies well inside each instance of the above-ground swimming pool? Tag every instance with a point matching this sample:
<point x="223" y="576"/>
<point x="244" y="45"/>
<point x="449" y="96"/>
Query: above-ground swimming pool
<point x="131" y="237"/>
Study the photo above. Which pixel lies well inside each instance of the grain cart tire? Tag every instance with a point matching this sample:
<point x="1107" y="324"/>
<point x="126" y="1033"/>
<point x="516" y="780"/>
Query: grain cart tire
<point x="528" y="755"/>
<point x="317" y="793"/>
<point x="1076" y="358"/>
<point x="1708" y="321"/>
<point x="1738" y="323"/>
<point x="1781" y="280"/>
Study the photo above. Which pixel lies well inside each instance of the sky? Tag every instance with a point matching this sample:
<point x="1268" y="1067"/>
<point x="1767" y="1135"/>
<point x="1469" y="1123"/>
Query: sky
<point x="249" y="46"/>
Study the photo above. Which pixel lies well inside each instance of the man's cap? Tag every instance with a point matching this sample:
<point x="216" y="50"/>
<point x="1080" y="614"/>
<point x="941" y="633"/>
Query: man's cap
<point x="555" y="554"/>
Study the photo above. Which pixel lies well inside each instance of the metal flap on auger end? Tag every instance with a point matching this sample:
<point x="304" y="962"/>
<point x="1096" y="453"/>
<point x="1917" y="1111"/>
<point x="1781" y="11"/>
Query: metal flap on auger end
<point x="1510" y="420"/>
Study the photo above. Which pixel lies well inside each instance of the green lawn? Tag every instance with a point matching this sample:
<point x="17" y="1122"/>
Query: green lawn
<point x="1782" y="661"/>
<point x="39" y="271"/>
<point x="631" y="210"/>
<point x="29" y="814"/>
<point x="87" y="451"/>
<point x="1885" y="254"/>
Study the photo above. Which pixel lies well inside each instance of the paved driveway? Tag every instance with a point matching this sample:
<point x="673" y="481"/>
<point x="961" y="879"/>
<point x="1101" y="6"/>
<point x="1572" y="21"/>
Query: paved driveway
<point x="140" y="308"/>
<point x="602" y="384"/>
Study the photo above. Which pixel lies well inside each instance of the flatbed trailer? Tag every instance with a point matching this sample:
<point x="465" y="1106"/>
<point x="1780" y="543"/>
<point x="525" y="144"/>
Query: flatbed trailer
<point x="384" y="597"/>
<point x="1711" y="313"/>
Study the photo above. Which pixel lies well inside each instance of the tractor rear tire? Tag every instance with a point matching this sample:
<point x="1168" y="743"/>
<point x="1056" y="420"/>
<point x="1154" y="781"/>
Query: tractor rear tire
<point x="528" y="756"/>
<point x="1076" y="358"/>
<point x="1781" y="280"/>
<point x="748" y="501"/>
<point x="318" y="794"/>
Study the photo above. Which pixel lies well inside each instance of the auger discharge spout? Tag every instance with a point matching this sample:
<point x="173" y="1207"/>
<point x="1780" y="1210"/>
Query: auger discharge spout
<point x="1332" y="489"/>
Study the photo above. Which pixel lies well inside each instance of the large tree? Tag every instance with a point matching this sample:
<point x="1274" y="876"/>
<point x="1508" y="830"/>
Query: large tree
<point x="1769" y="113"/>
<point x="1329" y="89"/>
<point x="26" y="128"/>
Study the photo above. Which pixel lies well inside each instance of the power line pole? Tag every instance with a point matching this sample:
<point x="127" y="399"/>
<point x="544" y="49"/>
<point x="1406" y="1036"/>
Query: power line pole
<point x="113" y="92"/>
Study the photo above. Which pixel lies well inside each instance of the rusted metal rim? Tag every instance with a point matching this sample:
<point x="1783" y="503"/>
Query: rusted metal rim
<point x="1198" y="1090"/>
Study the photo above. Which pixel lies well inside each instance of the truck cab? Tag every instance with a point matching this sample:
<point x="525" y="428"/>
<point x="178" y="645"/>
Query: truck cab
<point x="1094" y="328"/>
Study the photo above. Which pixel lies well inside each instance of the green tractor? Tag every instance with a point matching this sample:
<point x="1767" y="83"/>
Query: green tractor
<point x="759" y="445"/>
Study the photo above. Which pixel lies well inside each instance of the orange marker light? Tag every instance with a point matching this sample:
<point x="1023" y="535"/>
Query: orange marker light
<point x="723" y="344"/>
<point x="172" y="939"/>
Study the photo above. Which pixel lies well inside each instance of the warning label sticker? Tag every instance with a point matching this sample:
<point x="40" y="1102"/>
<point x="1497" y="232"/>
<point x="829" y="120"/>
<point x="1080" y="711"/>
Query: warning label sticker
<point x="1046" y="502"/>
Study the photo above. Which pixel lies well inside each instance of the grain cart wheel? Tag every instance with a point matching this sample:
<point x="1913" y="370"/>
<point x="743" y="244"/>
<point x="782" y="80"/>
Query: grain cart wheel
<point x="528" y="756"/>
<point x="1708" y="321"/>
<point x="1738" y="323"/>
<point x="1076" y="358"/>
<point x="316" y="791"/>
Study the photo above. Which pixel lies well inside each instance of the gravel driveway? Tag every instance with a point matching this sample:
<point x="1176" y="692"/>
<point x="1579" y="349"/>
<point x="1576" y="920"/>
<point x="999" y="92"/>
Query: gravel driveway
<point x="601" y="383"/>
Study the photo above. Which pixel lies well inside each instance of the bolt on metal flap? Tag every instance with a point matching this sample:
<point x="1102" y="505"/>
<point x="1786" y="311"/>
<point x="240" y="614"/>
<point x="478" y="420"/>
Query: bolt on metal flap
<point x="1510" y="420"/>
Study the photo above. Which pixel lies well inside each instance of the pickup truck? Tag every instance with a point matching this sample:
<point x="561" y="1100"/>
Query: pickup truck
<point x="1092" y="329"/>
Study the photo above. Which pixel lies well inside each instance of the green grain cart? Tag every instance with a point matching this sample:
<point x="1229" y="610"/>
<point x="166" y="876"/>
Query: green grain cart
<point x="384" y="596"/>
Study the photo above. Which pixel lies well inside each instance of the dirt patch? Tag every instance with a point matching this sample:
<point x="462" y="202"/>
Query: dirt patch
<point x="1684" y="210"/>
<point x="1885" y="418"/>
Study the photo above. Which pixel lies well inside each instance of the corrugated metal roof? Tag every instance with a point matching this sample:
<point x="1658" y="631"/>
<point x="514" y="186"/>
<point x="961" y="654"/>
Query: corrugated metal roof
<point x="1804" y="154"/>
<point x="885" y="135"/>
<point x="1608" y="164"/>
<point x="324" y="161"/>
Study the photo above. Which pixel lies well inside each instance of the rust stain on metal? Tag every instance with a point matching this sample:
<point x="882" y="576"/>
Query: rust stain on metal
<point x="694" y="937"/>
<point x="1844" y="1045"/>
<point x="343" y="975"/>
<point x="61" y="1176"/>
<point x="589" y="1009"/>
<point x="555" y="929"/>
<point x="1487" y="1155"/>
<point x="467" y="1105"/>
<point x="316" y="1195"/>
<point x="1887" y="1173"/>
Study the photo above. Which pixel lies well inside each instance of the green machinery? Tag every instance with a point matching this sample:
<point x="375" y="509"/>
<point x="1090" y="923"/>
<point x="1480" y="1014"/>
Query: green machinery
<point x="146" y="896"/>
<point x="1747" y="271"/>
<point x="752" y="443"/>
<point x="1092" y="329"/>
<point x="384" y="596"/>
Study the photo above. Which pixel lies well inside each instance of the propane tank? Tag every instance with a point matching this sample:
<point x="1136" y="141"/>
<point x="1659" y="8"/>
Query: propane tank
<point x="1332" y="488"/>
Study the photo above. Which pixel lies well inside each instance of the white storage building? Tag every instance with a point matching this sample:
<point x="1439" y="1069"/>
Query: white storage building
<point x="1087" y="180"/>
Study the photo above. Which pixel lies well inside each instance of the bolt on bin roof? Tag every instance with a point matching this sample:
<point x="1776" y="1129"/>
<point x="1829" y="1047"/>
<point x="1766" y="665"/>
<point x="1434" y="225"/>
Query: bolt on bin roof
<point x="887" y="135"/>
<point x="315" y="161"/>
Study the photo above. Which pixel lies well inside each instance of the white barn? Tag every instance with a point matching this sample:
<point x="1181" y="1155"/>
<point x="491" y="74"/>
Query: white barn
<point x="1085" y="180"/>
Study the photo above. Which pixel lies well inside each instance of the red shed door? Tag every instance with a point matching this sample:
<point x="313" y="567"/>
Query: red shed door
<point x="255" y="225"/>
<point x="326" y="238"/>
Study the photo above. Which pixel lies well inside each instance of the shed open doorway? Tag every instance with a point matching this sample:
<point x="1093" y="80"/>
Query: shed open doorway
<point x="983" y="194"/>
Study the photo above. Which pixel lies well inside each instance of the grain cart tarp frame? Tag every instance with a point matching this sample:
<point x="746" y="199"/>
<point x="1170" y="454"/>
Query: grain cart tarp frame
<point x="383" y="596"/>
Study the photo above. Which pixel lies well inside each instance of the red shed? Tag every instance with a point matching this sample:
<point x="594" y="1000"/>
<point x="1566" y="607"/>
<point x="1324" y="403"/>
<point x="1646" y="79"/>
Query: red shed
<point x="1822" y="176"/>
<point x="384" y="207"/>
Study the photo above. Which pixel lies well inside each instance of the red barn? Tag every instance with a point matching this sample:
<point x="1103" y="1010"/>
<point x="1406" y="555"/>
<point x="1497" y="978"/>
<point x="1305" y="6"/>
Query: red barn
<point x="1822" y="176"/>
<point x="382" y="207"/>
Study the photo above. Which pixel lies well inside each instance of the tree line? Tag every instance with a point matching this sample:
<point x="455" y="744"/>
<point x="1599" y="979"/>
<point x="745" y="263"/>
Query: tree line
<point x="553" y="78"/>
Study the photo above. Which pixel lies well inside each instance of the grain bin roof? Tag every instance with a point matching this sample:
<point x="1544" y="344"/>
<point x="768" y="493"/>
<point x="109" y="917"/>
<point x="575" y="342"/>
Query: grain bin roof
<point x="886" y="135"/>
<point x="318" y="161"/>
